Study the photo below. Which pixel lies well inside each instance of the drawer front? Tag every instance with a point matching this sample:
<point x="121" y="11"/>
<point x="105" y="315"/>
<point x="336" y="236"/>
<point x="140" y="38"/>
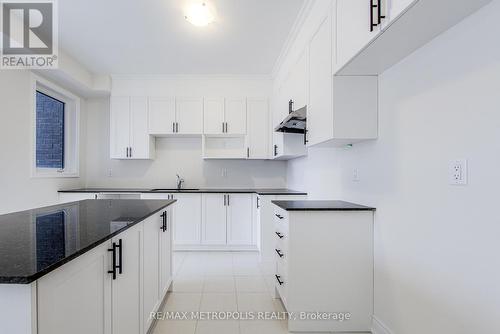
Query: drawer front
<point x="281" y="282"/>
<point x="281" y="220"/>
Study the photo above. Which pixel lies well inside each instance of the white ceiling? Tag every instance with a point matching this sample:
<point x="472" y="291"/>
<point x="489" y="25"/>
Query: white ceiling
<point x="152" y="36"/>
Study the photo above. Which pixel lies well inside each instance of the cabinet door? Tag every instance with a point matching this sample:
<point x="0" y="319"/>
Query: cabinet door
<point x="139" y="133"/>
<point x="319" y="111"/>
<point x="299" y="81"/>
<point x="151" y="265"/>
<point x="187" y="217"/>
<point x="76" y="298"/>
<point x="161" y="115"/>
<point x="189" y="115"/>
<point x="239" y="219"/>
<point x="214" y="219"/>
<point x="119" y="127"/>
<point x="213" y="116"/>
<point x="166" y="255"/>
<point x="236" y="115"/>
<point x="126" y="291"/>
<point x="258" y="128"/>
<point x="353" y="28"/>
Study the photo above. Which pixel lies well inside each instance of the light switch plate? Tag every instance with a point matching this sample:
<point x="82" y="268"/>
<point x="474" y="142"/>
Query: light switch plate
<point x="458" y="172"/>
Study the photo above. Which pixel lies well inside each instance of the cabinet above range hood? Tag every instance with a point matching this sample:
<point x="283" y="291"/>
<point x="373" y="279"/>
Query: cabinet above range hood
<point x="295" y="122"/>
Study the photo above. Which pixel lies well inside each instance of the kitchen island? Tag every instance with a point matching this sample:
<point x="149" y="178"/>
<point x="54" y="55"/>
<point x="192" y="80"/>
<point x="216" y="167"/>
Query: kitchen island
<point x="91" y="266"/>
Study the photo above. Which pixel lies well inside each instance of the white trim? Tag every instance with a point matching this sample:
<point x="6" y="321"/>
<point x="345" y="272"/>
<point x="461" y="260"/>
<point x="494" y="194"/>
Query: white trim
<point x="292" y="36"/>
<point x="378" y="327"/>
<point x="74" y="104"/>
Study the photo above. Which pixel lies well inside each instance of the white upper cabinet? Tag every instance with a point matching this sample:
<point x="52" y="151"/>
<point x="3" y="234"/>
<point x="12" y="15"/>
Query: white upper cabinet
<point x="298" y="82"/>
<point x="213" y="116"/>
<point x="120" y="127"/>
<point x="140" y="141"/>
<point x="236" y="116"/>
<point x="320" y="109"/>
<point x="225" y="116"/>
<point x="161" y="115"/>
<point x="189" y="115"/>
<point x="129" y="134"/>
<point x="258" y="128"/>
<point x="357" y="24"/>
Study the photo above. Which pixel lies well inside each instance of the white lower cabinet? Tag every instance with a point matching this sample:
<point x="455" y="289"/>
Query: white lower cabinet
<point x="239" y="219"/>
<point x="227" y="219"/>
<point x="214" y="219"/>
<point x="126" y="294"/>
<point x="77" y="297"/>
<point x="187" y="213"/>
<point x="112" y="288"/>
<point x="324" y="263"/>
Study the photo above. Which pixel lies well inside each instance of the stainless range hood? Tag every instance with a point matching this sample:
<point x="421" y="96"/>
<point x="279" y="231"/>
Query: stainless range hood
<point x="295" y="122"/>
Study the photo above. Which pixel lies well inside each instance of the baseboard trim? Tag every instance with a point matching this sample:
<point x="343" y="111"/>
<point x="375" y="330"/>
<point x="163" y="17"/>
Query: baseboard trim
<point x="378" y="327"/>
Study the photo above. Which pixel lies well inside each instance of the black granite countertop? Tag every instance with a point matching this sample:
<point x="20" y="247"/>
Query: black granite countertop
<point x="35" y="242"/>
<point x="321" y="206"/>
<point x="260" y="191"/>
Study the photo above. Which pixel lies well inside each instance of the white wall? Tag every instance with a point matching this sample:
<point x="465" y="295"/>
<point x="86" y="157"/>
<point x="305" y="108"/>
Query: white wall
<point x="18" y="190"/>
<point x="176" y="155"/>
<point x="437" y="250"/>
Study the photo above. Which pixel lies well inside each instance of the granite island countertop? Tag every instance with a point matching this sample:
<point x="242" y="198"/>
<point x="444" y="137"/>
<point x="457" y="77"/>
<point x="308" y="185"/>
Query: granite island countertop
<point x="36" y="242"/>
<point x="259" y="191"/>
<point x="326" y="205"/>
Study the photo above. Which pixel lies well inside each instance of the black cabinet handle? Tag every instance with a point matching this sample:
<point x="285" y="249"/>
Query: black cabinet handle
<point x="281" y="236"/>
<point x="278" y="278"/>
<point x="164" y="221"/>
<point x="228" y="200"/>
<point x="275" y="150"/>
<point x="131" y="151"/>
<point x="372" y="23"/>
<point x="173" y="127"/>
<point x="113" y="265"/>
<point x="278" y="251"/>
<point x="120" y="258"/>
<point x="258" y="202"/>
<point x="279" y="216"/>
<point x="380" y="16"/>
<point x="248" y="152"/>
<point x="176" y="127"/>
<point x="222" y="127"/>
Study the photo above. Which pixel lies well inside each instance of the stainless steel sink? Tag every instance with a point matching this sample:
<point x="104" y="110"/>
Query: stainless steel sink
<point x="174" y="189"/>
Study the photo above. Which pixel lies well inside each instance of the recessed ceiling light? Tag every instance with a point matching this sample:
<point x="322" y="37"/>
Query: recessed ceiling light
<point x="199" y="14"/>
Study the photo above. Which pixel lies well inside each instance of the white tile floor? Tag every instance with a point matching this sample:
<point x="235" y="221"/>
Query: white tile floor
<point x="220" y="282"/>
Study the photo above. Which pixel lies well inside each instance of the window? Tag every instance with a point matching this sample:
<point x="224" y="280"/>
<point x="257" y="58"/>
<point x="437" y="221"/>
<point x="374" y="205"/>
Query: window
<point x="49" y="132"/>
<point x="56" y="115"/>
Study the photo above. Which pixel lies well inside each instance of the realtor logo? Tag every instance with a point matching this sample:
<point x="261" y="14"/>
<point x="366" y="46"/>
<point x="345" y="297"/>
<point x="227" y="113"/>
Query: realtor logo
<point x="29" y="34"/>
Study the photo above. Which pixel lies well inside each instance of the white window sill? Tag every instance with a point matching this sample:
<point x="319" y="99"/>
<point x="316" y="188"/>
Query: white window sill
<point x="55" y="175"/>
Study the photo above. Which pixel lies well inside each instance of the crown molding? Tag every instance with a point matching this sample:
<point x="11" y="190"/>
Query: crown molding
<point x="292" y="36"/>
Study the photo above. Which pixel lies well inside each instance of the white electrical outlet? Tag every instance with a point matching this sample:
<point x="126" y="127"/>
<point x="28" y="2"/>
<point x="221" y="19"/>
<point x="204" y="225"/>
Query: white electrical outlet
<point x="458" y="172"/>
<point x="355" y="175"/>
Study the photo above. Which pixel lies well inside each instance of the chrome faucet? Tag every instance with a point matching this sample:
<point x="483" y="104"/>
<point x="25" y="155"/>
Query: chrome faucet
<point x="180" y="181"/>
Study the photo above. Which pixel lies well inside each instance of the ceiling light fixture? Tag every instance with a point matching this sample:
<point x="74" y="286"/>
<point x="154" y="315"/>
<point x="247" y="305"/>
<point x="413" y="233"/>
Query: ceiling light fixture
<point x="199" y="14"/>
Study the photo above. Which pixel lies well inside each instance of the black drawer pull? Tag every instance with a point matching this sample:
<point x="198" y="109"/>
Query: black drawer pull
<point x="278" y="278"/>
<point x="278" y="251"/>
<point x="279" y="216"/>
<point x="281" y="236"/>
